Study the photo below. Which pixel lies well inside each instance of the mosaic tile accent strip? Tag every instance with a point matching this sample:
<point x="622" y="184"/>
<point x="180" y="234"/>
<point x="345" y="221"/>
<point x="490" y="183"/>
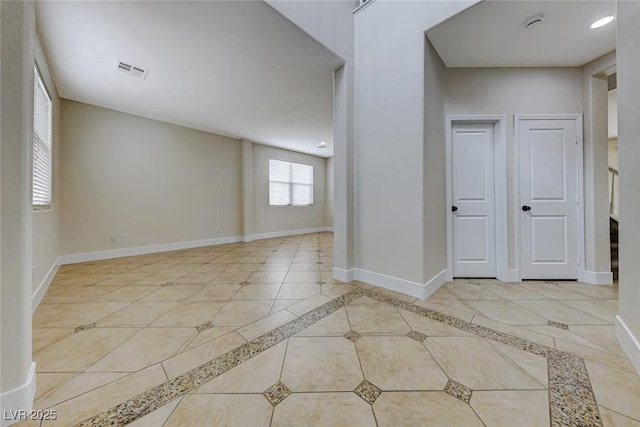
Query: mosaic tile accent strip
<point x="84" y="327"/>
<point x="277" y="393"/>
<point x="558" y="325"/>
<point x="459" y="391"/>
<point x="481" y="331"/>
<point x="571" y="402"/>
<point x="368" y="392"/>
<point x="132" y="409"/>
<point x="571" y="398"/>
<point x="204" y="327"/>
<point x="159" y="396"/>
<point x="416" y="336"/>
<point x="352" y="336"/>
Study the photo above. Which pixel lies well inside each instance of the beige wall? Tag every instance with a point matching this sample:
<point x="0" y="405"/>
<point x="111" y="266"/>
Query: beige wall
<point x="389" y="150"/>
<point x="17" y="35"/>
<point x="596" y="195"/>
<point x="435" y="160"/>
<point x="157" y="182"/>
<point x="46" y="223"/>
<point x="512" y="91"/>
<point x="628" y="34"/>
<point x="612" y="151"/>
<point x="267" y="218"/>
<point x="329" y="209"/>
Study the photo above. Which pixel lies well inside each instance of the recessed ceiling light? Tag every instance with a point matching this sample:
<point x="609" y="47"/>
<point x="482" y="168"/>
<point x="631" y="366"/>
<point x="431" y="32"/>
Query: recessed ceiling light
<point x="602" y="21"/>
<point x="322" y="145"/>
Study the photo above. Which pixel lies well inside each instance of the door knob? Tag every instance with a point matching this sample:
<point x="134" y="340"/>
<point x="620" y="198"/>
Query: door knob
<point x="454" y="208"/>
<point x="526" y="208"/>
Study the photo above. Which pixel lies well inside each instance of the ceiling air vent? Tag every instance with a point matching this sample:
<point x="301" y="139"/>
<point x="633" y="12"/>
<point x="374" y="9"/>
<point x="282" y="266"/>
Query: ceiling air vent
<point x="131" y="70"/>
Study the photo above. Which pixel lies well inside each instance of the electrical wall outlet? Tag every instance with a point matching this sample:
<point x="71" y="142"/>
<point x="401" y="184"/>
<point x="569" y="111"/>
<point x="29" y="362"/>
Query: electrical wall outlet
<point x="123" y="237"/>
<point x="114" y="238"/>
<point x="218" y="230"/>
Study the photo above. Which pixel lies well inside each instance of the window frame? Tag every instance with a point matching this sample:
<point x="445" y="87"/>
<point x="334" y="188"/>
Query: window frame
<point x="291" y="184"/>
<point x="38" y="79"/>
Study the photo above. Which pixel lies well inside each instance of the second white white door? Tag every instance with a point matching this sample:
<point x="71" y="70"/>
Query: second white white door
<point x="549" y="198"/>
<point x="472" y="210"/>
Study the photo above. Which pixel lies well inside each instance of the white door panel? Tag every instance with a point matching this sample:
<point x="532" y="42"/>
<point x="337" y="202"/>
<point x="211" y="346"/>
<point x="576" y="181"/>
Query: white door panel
<point x="473" y="198"/>
<point x="548" y="189"/>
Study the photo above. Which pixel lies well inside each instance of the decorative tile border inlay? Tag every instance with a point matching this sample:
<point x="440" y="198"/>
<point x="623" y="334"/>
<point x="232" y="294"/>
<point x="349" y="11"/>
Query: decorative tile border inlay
<point x="459" y="391"/>
<point x="571" y="402"/>
<point x="84" y="327"/>
<point x="417" y="336"/>
<point x="571" y="398"/>
<point x="164" y="393"/>
<point x="204" y="327"/>
<point x="368" y="392"/>
<point x="558" y="325"/>
<point x="352" y="336"/>
<point x="276" y="393"/>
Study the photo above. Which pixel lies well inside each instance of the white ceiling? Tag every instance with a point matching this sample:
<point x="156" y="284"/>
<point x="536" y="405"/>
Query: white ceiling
<point x="235" y="68"/>
<point x="492" y="34"/>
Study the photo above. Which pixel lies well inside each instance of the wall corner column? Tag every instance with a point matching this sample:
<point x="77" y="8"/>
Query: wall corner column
<point x="246" y="167"/>
<point x="17" y="371"/>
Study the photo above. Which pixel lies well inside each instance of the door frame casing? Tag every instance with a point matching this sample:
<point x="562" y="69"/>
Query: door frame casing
<point x="499" y="122"/>
<point x="577" y="118"/>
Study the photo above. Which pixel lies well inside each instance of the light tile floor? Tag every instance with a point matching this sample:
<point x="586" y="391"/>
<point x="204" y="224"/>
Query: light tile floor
<point x="259" y="333"/>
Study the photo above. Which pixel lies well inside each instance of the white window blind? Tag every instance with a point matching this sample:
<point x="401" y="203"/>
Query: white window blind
<point x="42" y="146"/>
<point x="290" y="184"/>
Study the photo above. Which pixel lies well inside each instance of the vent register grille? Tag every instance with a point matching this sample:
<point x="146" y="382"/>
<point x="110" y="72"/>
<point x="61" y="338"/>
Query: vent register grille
<point x="131" y="70"/>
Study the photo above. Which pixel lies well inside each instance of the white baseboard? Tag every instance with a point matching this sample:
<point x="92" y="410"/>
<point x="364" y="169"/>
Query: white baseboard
<point x="407" y="287"/>
<point x="19" y="399"/>
<point x="344" y="275"/>
<point x="165" y="247"/>
<point x="143" y="250"/>
<point x="629" y="342"/>
<point x="436" y="281"/>
<point x="598" y="277"/>
<point x="510" y="276"/>
<point x="44" y="286"/>
<point x="286" y="233"/>
<point x="329" y="229"/>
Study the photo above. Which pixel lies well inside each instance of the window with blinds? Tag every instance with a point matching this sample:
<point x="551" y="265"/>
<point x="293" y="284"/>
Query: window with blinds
<point x="290" y="184"/>
<point x="42" y="145"/>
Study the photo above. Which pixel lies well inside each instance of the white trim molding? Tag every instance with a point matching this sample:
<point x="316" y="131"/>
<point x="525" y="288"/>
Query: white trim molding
<point x="597" y="277"/>
<point x="629" y="342"/>
<point x="511" y="275"/>
<point x="44" y="286"/>
<point x="407" y="287"/>
<point x="344" y="275"/>
<point x="286" y="233"/>
<point x="19" y="400"/>
<point x="165" y="247"/>
<point x="143" y="250"/>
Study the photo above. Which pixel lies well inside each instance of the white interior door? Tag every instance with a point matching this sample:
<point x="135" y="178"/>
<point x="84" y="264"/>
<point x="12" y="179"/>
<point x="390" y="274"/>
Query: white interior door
<point x="474" y="242"/>
<point x="549" y="199"/>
